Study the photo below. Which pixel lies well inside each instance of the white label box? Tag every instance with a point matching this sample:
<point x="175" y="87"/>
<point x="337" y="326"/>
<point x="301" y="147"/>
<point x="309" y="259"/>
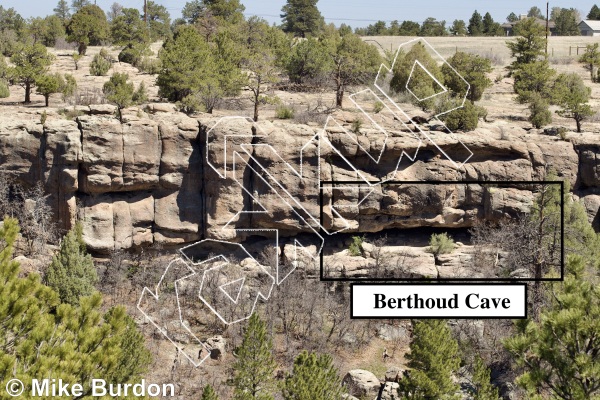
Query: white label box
<point x="439" y="300"/>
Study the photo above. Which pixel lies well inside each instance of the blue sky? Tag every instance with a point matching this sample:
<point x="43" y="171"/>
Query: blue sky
<point x="352" y="12"/>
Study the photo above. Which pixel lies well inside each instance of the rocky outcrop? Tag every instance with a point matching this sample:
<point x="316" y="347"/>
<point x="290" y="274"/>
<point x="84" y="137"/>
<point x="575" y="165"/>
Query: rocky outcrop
<point x="361" y="383"/>
<point x="154" y="180"/>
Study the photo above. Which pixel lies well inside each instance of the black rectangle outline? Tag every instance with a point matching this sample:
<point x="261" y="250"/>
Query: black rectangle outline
<point x="431" y="284"/>
<point x="475" y="182"/>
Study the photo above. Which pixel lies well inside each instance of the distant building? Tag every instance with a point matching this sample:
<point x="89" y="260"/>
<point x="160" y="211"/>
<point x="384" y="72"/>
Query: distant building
<point x="509" y="27"/>
<point x="589" y="28"/>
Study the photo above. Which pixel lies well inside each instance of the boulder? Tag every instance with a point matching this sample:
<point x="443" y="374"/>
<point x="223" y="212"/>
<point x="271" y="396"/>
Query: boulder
<point x="361" y="383"/>
<point x="102" y="109"/>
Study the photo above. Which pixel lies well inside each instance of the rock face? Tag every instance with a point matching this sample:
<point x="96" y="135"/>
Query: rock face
<point x="361" y="383"/>
<point x="168" y="179"/>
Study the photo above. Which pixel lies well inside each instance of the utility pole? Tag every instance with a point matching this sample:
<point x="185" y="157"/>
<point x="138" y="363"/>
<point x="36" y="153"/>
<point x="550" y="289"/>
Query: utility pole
<point x="146" y="13"/>
<point x="547" y="25"/>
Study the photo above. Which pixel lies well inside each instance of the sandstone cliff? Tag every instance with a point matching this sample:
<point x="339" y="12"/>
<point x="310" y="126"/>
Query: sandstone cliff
<point x="148" y="180"/>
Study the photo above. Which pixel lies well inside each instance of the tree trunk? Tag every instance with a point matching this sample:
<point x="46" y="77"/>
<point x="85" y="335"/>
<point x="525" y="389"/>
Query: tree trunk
<point x="82" y="49"/>
<point x="47" y="97"/>
<point x="256" y="108"/>
<point x="27" y="92"/>
<point x="578" y="122"/>
<point x="339" y="96"/>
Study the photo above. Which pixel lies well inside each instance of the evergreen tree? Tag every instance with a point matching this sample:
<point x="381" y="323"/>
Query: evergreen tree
<point x="539" y="113"/>
<point x="302" y="17"/>
<point x="473" y="69"/>
<point x="313" y="378"/>
<point x="572" y="96"/>
<point x="88" y="27"/>
<point x="197" y="74"/>
<point x="490" y="27"/>
<point x="535" y="12"/>
<point x="119" y="92"/>
<point x="432" y="360"/>
<point x="265" y="54"/>
<point x="209" y="394"/>
<point x="62" y="11"/>
<point x="159" y="21"/>
<point x="47" y="85"/>
<point x="55" y="30"/>
<point x="255" y="363"/>
<point x="31" y="62"/>
<point x="420" y="84"/>
<point x="433" y="27"/>
<point x="192" y="11"/>
<point x="475" y="27"/>
<point x="229" y="11"/>
<point x="567" y="22"/>
<point x="536" y="77"/>
<point x="354" y="62"/>
<point x="530" y="45"/>
<point x="409" y="28"/>
<point x="483" y="389"/>
<point x="559" y="353"/>
<point x="594" y="13"/>
<point x="309" y="62"/>
<point x="458" y="28"/>
<point x="591" y="59"/>
<point x="512" y="17"/>
<point x="128" y="29"/>
<point x="77" y="5"/>
<point x="40" y="337"/>
<point x="72" y="273"/>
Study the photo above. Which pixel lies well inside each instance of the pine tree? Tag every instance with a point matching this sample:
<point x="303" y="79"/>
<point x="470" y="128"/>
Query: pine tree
<point x="88" y="27"/>
<point x="62" y="11"/>
<point x="535" y="12"/>
<point x="72" y="273"/>
<point x="530" y="44"/>
<point x="572" y="95"/>
<point x="209" y="394"/>
<point x="420" y="84"/>
<point x="490" y="27"/>
<point x="302" y="17"/>
<point x="483" y="389"/>
<point x="475" y="26"/>
<point x="591" y="59"/>
<point x="539" y="112"/>
<point x="566" y="22"/>
<point x="159" y="21"/>
<point x="559" y="353"/>
<point x="47" y="85"/>
<point x="119" y="91"/>
<point x="473" y="69"/>
<point x="458" y="28"/>
<point x="255" y="363"/>
<point x="30" y="62"/>
<point x="39" y="337"/>
<point x="354" y="62"/>
<point x="77" y="5"/>
<point x="433" y="359"/>
<point x="594" y="13"/>
<point x="512" y="17"/>
<point x="313" y="378"/>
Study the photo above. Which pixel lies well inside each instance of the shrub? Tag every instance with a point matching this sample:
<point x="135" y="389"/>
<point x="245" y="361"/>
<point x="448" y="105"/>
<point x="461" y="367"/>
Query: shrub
<point x="4" y="91"/>
<point x="100" y="64"/>
<point x="540" y="114"/>
<point x="441" y="244"/>
<point x="76" y="58"/>
<point x="378" y="107"/>
<point x="464" y="119"/>
<point x="284" y="112"/>
<point x="356" y="125"/>
<point x="134" y="54"/>
<point x="355" y="248"/>
<point x="140" y="95"/>
<point x="149" y="65"/>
